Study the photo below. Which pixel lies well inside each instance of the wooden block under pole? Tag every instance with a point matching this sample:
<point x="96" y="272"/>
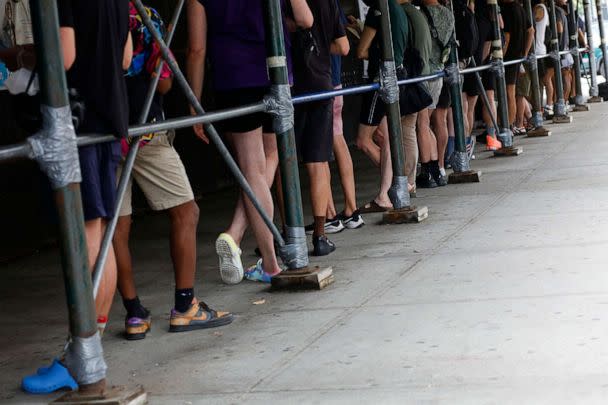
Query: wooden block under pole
<point x="509" y="151"/>
<point x="470" y="176"/>
<point x="405" y="215"/>
<point x="580" y="108"/>
<point x="562" y="119"/>
<point x="307" y="278"/>
<point x="111" y="396"/>
<point x="595" y="99"/>
<point x="538" y="132"/>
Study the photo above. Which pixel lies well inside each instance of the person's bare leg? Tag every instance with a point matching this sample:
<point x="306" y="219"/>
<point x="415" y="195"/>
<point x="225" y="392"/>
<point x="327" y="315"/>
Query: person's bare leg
<point x="440" y="126"/>
<point x="239" y="222"/>
<point x="487" y="118"/>
<point x="319" y="191"/>
<point x="548" y="82"/>
<point x="567" y="83"/>
<point x="427" y="143"/>
<point x="471" y="102"/>
<point x="366" y="143"/>
<point x="386" y="167"/>
<point x="94" y="231"/>
<point x="521" y="111"/>
<point x="249" y="150"/>
<point x="511" y="103"/>
<point x="184" y="220"/>
<point x="410" y="146"/>
<point x="347" y="174"/>
<point x="124" y="264"/>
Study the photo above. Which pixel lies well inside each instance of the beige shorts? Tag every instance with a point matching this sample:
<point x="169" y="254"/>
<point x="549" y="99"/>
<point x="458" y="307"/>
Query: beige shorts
<point x="434" y="88"/>
<point x="161" y="175"/>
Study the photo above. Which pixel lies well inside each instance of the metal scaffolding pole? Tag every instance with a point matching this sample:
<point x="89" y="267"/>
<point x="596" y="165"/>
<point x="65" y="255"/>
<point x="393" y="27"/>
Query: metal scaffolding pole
<point x="295" y="253"/>
<point x="579" y="100"/>
<point x="398" y="193"/>
<point x="593" y="89"/>
<point x="537" y="100"/>
<point x="460" y="160"/>
<point x="57" y="154"/>
<point x="130" y="161"/>
<point x="560" y="114"/>
<point x="505" y="135"/>
<point x="600" y="24"/>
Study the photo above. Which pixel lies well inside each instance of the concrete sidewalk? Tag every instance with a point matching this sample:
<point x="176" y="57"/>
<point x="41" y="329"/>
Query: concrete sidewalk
<point x="499" y="297"/>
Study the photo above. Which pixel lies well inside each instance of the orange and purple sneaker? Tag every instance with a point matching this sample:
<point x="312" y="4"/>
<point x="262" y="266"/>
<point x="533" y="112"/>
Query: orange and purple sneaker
<point x="492" y="143"/>
<point x="137" y="328"/>
<point x="198" y="316"/>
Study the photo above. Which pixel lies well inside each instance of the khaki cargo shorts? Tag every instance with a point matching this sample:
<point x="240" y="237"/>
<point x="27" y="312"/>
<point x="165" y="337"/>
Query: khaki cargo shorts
<point x="161" y="175"/>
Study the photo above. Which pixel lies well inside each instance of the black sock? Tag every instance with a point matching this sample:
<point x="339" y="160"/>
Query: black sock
<point x="434" y="169"/>
<point x="135" y="309"/>
<point x="183" y="299"/>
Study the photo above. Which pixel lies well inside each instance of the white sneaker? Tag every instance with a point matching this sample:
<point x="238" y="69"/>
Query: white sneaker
<point x="231" y="267"/>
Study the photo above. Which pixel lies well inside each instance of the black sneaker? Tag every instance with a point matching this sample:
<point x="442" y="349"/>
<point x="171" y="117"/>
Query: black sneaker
<point x="354" y="221"/>
<point x="441" y="180"/>
<point x="322" y="246"/>
<point x="425" y="180"/>
<point x="333" y="225"/>
<point x="436" y="175"/>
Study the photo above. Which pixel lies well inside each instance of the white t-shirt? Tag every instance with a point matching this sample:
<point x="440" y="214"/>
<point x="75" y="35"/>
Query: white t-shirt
<point x="539" y="37"/>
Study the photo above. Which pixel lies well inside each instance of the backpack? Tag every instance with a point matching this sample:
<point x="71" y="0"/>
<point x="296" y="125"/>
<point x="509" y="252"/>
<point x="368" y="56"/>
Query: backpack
<point x="445" y="48"/>
<point x="467" y="32"/>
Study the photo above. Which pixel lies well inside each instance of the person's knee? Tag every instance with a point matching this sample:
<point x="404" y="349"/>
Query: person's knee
<point x="185" y="215"/>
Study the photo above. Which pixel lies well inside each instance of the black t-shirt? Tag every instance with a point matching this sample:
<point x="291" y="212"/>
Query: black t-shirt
<point x="516" y="24"/>
<point x="137" y="87"/>
<point x="101" y="28"/>
<point x="313" y="72"/>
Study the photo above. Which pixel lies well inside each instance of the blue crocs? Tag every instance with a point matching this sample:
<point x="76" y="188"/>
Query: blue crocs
<point x="49" y="380"/>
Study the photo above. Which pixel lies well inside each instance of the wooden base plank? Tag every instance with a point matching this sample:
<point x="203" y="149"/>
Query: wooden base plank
<point x="509" y="151"/>
<point x="580" y="108"/>
<point x="316" y="278"/>
<point x="538" y="132"/>
<point x="470" y="176"/>
<point x="405" y="215"/>
<point x="595" y="99"/>
<point x="562" y="119"/>
<point x="111" y="396"/>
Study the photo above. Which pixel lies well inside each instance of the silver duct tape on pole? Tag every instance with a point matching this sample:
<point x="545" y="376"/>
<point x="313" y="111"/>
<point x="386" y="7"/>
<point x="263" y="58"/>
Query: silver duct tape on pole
<point x="84" y="359"/>
<point x="537" y="119"/>
<point x="294" y="253"/>
<point x="278" y="103"/>
<point x="498" y="67"/>
<point x="452" y="74"/>
<point x="460" y="161"/>
<point x="54" y="147"/>
<point x="389" y="88"/>
<point x="531" y="62"/>
<point x="398" y="193"/>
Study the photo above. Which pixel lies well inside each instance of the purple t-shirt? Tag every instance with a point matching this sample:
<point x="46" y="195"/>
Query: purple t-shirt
<point x="236" y="43"/>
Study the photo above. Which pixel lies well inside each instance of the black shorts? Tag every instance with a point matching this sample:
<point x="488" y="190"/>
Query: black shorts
<point x="237" y="98"/>
<point x="373" y="109"/>
<point x="511" y="74"/>
<point x="469" y="85"/>
<point x="314" y="131"/>
<point x="445" y="99"/>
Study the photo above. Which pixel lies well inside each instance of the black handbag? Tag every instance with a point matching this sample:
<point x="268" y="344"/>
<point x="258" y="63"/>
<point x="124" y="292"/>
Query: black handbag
<point x="413" y="97"/>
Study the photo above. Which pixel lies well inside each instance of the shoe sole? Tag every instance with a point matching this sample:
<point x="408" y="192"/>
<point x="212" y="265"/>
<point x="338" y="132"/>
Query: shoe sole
<point x="354" y="224"/>
<point x="136" y="336"/>
<point x="214" y="323"/>
<point x="334" y="229"/>
<point x="229" y="272"/>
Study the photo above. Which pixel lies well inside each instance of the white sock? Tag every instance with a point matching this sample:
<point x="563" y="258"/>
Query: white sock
<point x="442" y="171"/>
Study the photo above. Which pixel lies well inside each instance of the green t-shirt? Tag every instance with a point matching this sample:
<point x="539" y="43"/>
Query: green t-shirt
<point x="399" y="32"/>
<point x="443" y="20"/>
<point x="422" y="40"/>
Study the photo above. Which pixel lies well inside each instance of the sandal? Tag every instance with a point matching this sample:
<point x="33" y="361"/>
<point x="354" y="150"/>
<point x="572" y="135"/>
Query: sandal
<point x="373" y="206"/>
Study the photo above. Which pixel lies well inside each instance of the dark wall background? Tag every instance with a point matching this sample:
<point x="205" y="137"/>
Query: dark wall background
<point x="26" y="221"/>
